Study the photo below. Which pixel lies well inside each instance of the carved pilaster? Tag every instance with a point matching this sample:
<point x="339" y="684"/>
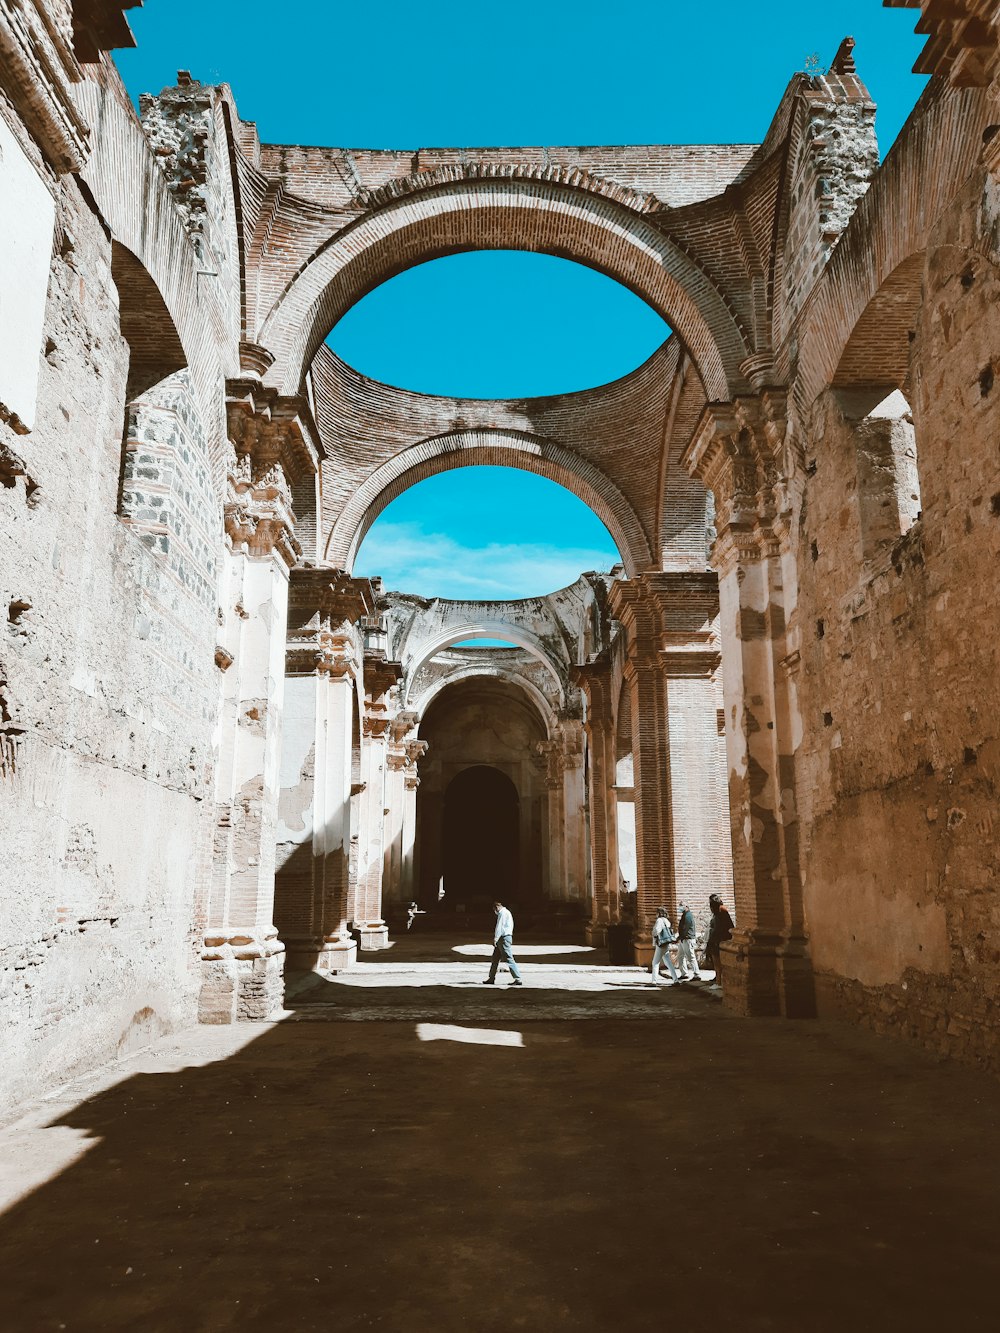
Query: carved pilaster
<point x="594" y="678"/>
<point x="270" y="446"/>
<point x="324" y="607"/>
<point x="745" y="452"/>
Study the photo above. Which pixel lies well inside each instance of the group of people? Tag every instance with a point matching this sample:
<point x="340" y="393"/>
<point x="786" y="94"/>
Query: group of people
<point x="686" y="968"/>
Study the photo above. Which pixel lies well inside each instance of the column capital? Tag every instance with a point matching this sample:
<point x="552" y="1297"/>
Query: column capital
<point x="555" y="761"/>
<point x="403" y="758"/>
<point x="272" y="442"/>
<point x="669" y="621"/>
<point x="748" y="457"/>
<point x="403" y="723"/>
<point x="323" y="606"/>
<point x="380" y="677"/>
<point x="594" y="678"/>
<point x="272" y="427"/>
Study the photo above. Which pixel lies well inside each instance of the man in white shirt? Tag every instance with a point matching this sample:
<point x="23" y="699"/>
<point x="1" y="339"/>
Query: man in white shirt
<point x="503" y="935"/>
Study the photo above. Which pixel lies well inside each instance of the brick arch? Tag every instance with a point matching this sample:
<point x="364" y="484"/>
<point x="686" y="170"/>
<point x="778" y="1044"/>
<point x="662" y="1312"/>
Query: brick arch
<point x="492" y="449"/>
<point x="545" y="216"/>
<point x="422" y="702"/>
<point x="872" y="271"/>
<point x="481" y="628"/>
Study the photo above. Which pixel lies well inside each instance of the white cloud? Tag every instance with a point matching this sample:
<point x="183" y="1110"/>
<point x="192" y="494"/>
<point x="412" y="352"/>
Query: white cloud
<point x="435" y="565"/>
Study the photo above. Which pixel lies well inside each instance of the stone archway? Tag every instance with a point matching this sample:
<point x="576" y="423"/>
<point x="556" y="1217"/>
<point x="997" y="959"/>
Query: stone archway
<point x="490" y="726"/>
<point x="429" y="220"/>
<point x="489" y="448"/>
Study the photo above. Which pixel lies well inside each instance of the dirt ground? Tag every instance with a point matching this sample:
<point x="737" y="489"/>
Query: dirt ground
<point x="410" y="1150"/>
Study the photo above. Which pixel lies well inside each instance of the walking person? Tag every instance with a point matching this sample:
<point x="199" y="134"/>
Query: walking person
<point x="503" y="938"/>
<point x="687" y="962"/>
<point x="720" y="929"/>
<point x="663" y="937"/>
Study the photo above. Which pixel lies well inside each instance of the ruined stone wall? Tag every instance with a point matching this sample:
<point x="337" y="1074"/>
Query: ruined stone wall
<point x="108" y="688"/>
<point x="899" y="678"/>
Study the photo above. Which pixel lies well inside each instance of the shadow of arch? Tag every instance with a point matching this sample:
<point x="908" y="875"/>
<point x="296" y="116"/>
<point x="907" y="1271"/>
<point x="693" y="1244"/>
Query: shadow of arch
<point x="487" y="448"/>
<point x="481" y="629"/>
<point x="510" y="213"/>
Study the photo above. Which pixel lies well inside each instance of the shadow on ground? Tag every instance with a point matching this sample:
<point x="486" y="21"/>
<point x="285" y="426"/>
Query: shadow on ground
<point x="601" y="1175"/>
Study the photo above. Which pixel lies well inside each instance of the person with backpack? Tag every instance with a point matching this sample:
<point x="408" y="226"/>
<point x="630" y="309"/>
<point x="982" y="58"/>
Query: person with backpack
<point x="663" y="937"/>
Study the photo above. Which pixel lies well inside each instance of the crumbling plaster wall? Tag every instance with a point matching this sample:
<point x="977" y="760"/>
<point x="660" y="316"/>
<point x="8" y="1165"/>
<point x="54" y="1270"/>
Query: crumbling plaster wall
<point x="109" y="689"/>
<point x="899" y="682"/>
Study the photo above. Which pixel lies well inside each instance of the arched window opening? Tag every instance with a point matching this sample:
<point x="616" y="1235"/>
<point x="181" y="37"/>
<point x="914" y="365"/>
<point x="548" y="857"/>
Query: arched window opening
<point x="887" y="477"/>
<point x="485" y="534"/>
<point x="498" y="324"/>
<point x="163" y="443"/>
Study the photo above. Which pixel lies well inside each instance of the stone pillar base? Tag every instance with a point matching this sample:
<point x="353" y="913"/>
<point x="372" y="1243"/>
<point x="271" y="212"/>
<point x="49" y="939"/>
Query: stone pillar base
<point x="596" y="934"/>
<point x="372" y="935"/>
<point x="242" y="977"/>
<point x="642" y="953"/>
<point x="767" y="976"/>
<point x="306" y="953"/>
<point x="337" y="955"/>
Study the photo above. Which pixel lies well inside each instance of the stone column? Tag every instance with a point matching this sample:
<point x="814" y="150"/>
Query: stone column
<point x="402" y="783"/>
<point x="743" y="452"/>
<point x="689" y="660"/>
<point x="323" y="666"/>
<point x="635" y="605"/>
<point x="415" y="750"/>
<point x="380" y="678"/>
<point x="242" y="963"/>
<point x="595" y="680"/>
<point x="551" y="752"/>
<point x="573" y="800"/>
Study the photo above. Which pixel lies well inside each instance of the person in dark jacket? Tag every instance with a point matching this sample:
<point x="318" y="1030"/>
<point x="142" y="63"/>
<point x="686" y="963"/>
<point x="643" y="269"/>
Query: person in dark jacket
<point x="719" y="930"/>
<point x="687" y="962"/>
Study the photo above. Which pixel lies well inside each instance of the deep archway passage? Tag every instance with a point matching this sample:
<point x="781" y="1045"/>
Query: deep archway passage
<point x="480" y="840"/>
<point x="481" y="803"/>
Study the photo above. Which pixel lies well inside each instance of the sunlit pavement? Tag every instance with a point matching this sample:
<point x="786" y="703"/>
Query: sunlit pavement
<point x="441" y="976"/>
<point x="467" y="1160"/>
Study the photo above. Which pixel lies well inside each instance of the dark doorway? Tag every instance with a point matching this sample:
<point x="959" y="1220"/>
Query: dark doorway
<point x="480" y="851"/>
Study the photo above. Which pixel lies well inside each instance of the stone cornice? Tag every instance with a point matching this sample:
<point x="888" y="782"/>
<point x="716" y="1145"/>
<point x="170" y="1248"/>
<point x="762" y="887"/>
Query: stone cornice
<point x="40" y="68"/>
<point x="272" y="428"/>
<point x="380" y="675"/>
<point x="322" y="653"/>
<point x="333" y="594"/>
<point x="42" y="45"/>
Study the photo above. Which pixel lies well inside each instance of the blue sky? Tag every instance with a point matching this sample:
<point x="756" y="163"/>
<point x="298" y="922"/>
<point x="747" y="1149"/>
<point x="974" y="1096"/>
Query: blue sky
<point x="400" y="75"/>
